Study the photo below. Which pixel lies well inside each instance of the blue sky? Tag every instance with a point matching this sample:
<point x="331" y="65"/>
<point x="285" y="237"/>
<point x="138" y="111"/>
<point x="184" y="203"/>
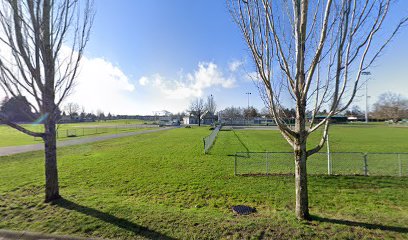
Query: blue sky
<point x="150" y="55"/>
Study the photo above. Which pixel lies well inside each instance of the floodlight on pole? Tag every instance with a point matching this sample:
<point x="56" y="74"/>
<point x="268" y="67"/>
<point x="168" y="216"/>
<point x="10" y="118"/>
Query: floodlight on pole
<point x="248" y="93"/>
<point x="366" y="73"/>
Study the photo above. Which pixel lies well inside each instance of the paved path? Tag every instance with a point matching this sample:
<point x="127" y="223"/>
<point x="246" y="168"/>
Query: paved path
<point x="12" y="235"/>
<point x="5" y="151"/>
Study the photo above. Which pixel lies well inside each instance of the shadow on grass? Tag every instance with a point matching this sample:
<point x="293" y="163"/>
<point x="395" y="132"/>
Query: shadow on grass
<point x="240" y="140"/>
<point x="360" y="224"/>
<point x="119" y="222"/>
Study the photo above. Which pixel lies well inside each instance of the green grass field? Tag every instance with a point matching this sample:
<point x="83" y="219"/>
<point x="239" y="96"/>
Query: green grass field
<point x="371" y="139"/>
<point x="12" y="137"/>
<point x="161" y="185"/>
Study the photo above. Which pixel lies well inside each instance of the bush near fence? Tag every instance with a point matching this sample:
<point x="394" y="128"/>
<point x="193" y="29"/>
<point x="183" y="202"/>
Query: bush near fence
<point x="336" y="163"/>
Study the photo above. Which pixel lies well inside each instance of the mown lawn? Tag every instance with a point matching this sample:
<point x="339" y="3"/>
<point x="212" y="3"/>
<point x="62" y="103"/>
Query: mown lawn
<point x="343" y="138"/>
<point x="12" y="137"/>
<point x="160" y="185"/>
<point x="348" y="144"/>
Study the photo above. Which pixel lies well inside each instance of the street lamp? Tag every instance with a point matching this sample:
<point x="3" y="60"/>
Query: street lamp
<point x="366" y="95"/>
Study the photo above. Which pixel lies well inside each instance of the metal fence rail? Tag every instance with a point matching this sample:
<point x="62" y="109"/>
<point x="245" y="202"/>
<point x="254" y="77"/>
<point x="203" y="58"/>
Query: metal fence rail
<point x="210" y="139"/>
<point x="336" y="163"/>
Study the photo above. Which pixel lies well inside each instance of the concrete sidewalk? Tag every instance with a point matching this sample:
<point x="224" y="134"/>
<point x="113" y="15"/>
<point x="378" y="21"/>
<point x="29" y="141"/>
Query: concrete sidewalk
<point x="5" y="151"/>
<point x="12" y="235"/>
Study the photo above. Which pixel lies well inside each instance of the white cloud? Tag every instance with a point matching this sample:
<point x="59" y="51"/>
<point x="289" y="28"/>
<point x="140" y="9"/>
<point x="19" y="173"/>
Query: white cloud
<point x="143" y="81"/>
<point x="235" y="65"/>
<point x="190" y="85"/>
<point x="101" y="85"/>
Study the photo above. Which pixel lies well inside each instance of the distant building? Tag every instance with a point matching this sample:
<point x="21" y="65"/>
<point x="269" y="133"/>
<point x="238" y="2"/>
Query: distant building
<point x="333" y="119"/>
<point x="207" y="118"/>
<point x="187" y="120"/>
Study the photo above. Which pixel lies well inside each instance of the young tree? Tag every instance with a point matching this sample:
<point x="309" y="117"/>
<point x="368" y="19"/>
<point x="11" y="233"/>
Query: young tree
<point x="42" y="42"/>
<point x="314" y="53"/>
<point x="197" y="108"/>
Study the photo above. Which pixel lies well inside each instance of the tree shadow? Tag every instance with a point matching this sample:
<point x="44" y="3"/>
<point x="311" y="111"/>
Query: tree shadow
<point x="242" y="142"/>
<point x="360" y="224"/>
<point x="119" y="222"/>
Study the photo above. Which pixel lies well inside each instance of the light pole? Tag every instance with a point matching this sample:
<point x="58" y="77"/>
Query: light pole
<point x="248" y="93"/>
<point x="366" y="95"/>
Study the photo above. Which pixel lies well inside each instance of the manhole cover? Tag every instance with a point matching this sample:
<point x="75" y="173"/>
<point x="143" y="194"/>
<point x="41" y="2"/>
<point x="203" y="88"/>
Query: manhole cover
<point x="243" y="210"/>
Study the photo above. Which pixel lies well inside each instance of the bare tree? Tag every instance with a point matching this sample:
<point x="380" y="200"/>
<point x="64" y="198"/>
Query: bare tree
<point x="72" y="109"/>
<point x="391" y="106"/>
<point x="314" y="53"/>
<point x="42" y="42"/>
<point x="210" y="105"/>
<point x="250" y="112"/>
<point x="232" y="114"/>
<point x="197" y="108"/>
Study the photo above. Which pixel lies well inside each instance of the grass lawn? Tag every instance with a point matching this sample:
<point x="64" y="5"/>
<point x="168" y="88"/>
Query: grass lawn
<point x="372" y="138"/>
<point x="12" y="137"/>
<point x="160" y="185"/>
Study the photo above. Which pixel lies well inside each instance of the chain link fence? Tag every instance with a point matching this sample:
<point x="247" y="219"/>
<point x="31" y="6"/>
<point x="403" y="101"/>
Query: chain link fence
<point x="335" y="163"/>
<point x="210" y="139"/>
<point x="98" y="130"/>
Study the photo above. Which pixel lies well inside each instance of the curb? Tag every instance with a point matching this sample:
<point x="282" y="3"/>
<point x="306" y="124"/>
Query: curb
<point x="24" y="235"/>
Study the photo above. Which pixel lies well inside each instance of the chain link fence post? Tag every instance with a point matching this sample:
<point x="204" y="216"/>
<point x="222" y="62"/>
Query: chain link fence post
<point x="235" y="165"/>
<point x="205" y="149"/>
<point x="267" y="163"/>
<point x="400" y="165"/>
<point x="365" y="165"/>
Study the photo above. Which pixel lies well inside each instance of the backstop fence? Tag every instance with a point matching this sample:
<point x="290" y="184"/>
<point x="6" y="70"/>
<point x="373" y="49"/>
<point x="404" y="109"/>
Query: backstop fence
<point x="210" y="139"/>
<point x="334" y="163"/>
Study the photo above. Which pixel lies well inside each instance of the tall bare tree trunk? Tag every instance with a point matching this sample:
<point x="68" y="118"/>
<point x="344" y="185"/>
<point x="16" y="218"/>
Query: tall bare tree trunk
<point x="51" y="170"/>
<point x="302" y="203"/>
<point x="35" y="32"/>
<point x="290" y="49"/>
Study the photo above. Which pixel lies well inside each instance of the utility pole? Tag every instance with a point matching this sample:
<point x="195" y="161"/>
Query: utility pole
<point x="366" y="96"/>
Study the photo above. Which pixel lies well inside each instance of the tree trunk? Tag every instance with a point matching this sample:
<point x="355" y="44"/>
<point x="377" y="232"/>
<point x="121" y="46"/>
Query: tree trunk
<point x="51" y="170"/>
<point x="302" y="202"/>
<point x="199" y="119"/>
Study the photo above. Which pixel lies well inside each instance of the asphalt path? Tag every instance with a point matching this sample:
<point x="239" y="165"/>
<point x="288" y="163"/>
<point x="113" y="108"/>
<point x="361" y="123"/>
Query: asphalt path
<point x="25" y="235"/>
<point x="5" y="151"/>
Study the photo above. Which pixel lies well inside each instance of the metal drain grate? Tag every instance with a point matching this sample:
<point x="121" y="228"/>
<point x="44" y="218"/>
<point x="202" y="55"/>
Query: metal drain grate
<point x="243" y="210"/>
